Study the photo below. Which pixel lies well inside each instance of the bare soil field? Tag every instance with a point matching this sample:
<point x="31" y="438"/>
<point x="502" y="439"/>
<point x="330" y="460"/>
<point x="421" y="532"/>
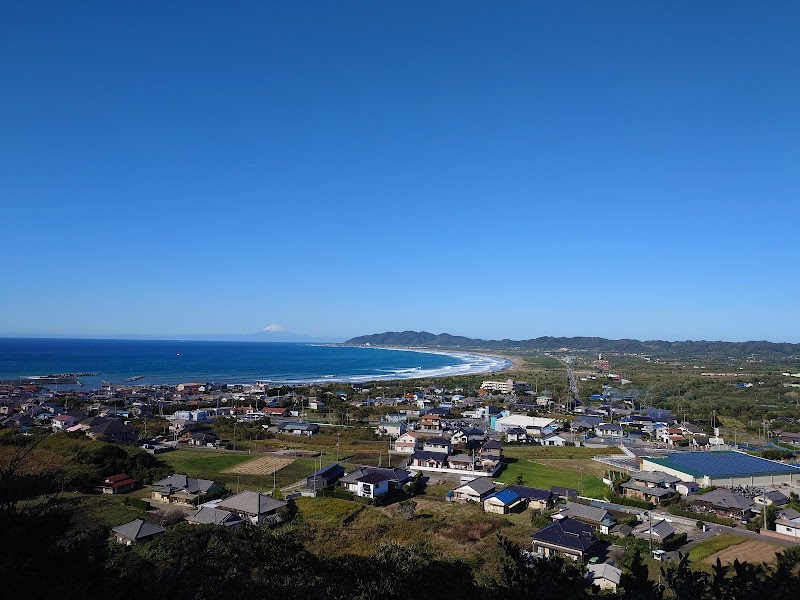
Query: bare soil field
<point x="264" y="465"/>
<point x="752" y="551"/>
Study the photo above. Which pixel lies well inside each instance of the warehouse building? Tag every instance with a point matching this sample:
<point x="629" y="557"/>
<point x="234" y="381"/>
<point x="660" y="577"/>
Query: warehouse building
<point x="723" y="468"/>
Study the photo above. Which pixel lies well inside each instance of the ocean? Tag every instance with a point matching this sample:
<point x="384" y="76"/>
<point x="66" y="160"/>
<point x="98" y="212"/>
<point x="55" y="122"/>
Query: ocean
<point x="174" y="361"/>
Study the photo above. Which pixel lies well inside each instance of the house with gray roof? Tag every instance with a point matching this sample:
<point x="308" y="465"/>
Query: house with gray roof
<point x="137" y="531"/>
<point x="208" y="515"/>
<point x="254" y="507"/>
<point x="307" y="429"/>
<point x="593" y="516"/>
<point x="651" y="486"/>
<point x="369" y="481"/>
<point x="182" y="489"/>
<point x="661" y="530"/>
<point x="535" y="497"/>
<point x="476" y="490"/>
<point x="605" y="576"/>
<point x="565" y="537"/>
<point x="725" y="503"/>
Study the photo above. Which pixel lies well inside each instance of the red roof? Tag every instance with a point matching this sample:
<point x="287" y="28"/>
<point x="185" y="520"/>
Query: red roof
<point x="116" y="481"/>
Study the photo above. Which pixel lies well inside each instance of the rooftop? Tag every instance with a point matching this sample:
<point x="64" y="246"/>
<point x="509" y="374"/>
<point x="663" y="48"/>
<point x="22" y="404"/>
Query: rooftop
<point x="722" y="464"/>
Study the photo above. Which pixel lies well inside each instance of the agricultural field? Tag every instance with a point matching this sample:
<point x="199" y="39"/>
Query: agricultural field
<point x="713" y="545"/>
<point x="264" y="465"/>
<point x="752" y="551"/>
<point x="238" y="470"/>
<point x="198" y="462"/>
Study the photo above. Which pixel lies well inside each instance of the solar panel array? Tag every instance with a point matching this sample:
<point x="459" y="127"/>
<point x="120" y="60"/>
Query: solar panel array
<point x="722" y="464"/>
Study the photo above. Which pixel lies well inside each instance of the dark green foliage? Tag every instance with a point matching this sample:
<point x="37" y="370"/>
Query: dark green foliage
<point x="674" y="542"/>
<point x="682" y="510"/>
<point x="634" y="582"/>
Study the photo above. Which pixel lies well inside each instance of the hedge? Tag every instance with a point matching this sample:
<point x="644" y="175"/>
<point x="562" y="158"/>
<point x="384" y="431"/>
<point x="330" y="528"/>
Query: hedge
<point x="680" y="511"/>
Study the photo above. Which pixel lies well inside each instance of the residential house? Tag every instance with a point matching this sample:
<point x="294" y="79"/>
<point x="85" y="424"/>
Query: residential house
<point x="503" y="502"/>
<point x="393" y="429"/>
<point x="63" y="422"/>
<point x="725" y="503"/>
<point x="407" y="443"/>
<point x="651" y="486"/>
<point x="307" y="429"/>
<point x="517" y="435"/>
<point x="771" y="497"/>
<point x="595" y="517"/>
<point x="114" y="432"/>
<point x="564" y="493"/>
<point x="396" y="478"/>
<point x="118" y="484"/>
<point x="467" y="436"/>
<point x="137" y="532"/>
<point x="553" y="440"/>
<point x="324" y="477"/>
<point x="430" y="422"/>
<point x="182" y="489"/>
<point x="436" y="444"/>
<point x="492" y="450"/>
<point x="476" y="490"/>
<point x="658" y="532"/>
<point x="208" y="515"/>
<point x="203" y="438"/>
<point x="430" y="460"/>
<point x="585" y="424"/>
<point x="464" y="462"/>
<point x="604" y="575"/>
<point x="608" y="430"/>
<point x="534" y="497"/>
<point x="254" y="507"/>
<point x="787" y="522"/>
<point x="566" y="537"/>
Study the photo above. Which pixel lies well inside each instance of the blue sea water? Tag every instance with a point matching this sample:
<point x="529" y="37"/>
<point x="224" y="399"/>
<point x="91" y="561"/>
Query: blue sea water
<point x="174" y="361"/>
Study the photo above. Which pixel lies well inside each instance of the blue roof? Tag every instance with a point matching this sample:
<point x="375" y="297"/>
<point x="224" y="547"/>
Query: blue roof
<point x="722" y="464"/>
<point x="506" y="496"/>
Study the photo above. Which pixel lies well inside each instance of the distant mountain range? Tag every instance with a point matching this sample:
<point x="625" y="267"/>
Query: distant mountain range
<point x="700" y="349"/>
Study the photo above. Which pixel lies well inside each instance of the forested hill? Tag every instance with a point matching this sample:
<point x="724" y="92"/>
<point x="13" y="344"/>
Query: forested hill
<point x="760" y="349"/>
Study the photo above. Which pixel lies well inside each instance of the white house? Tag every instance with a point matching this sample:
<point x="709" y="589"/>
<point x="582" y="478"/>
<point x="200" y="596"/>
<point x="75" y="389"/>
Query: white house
<point x="788" y="523"/>
<point x="523" y="421"/>
<point x="553" y="440"/>
<point x="407" y="443"/>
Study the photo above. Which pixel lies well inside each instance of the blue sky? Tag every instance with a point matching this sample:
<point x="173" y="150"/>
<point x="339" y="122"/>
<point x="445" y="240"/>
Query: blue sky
<point x="515" y="169"/>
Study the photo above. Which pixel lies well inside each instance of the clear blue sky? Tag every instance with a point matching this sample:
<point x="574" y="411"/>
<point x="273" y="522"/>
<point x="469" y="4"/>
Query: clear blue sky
<point x="513" y="169"/>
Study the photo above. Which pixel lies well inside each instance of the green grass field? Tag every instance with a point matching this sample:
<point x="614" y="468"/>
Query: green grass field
<point x="713" y="545"/>
<point x="544" y="476"/>
<point x="110" y="510"/>
<point x="212" y="464"/>
<point x="197" y="462"/>
<point x="327" y="512"/>
<point x="556" y="452"/>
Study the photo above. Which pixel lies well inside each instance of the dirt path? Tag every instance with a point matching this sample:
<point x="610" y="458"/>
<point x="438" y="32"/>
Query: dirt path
<point x="264" y="465"/>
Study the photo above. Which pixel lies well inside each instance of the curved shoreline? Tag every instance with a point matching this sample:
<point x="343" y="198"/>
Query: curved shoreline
<point x="165" y="364"/>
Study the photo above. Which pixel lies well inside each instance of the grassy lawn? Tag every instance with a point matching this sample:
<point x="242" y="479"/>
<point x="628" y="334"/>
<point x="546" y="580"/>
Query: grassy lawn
<point x="556" y="452"/>
<point x="713" y="545"/>
<point x="110" y="509"/>
<point x="544" y="476"/>
<point x="328" y="512"/>
<point x="211" y="464"/>
<point x="198" y="462"/>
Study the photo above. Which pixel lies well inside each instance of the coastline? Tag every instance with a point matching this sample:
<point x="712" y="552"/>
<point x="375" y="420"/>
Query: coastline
<point x="507" y="363"/>
<point x="95" y="363"/>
